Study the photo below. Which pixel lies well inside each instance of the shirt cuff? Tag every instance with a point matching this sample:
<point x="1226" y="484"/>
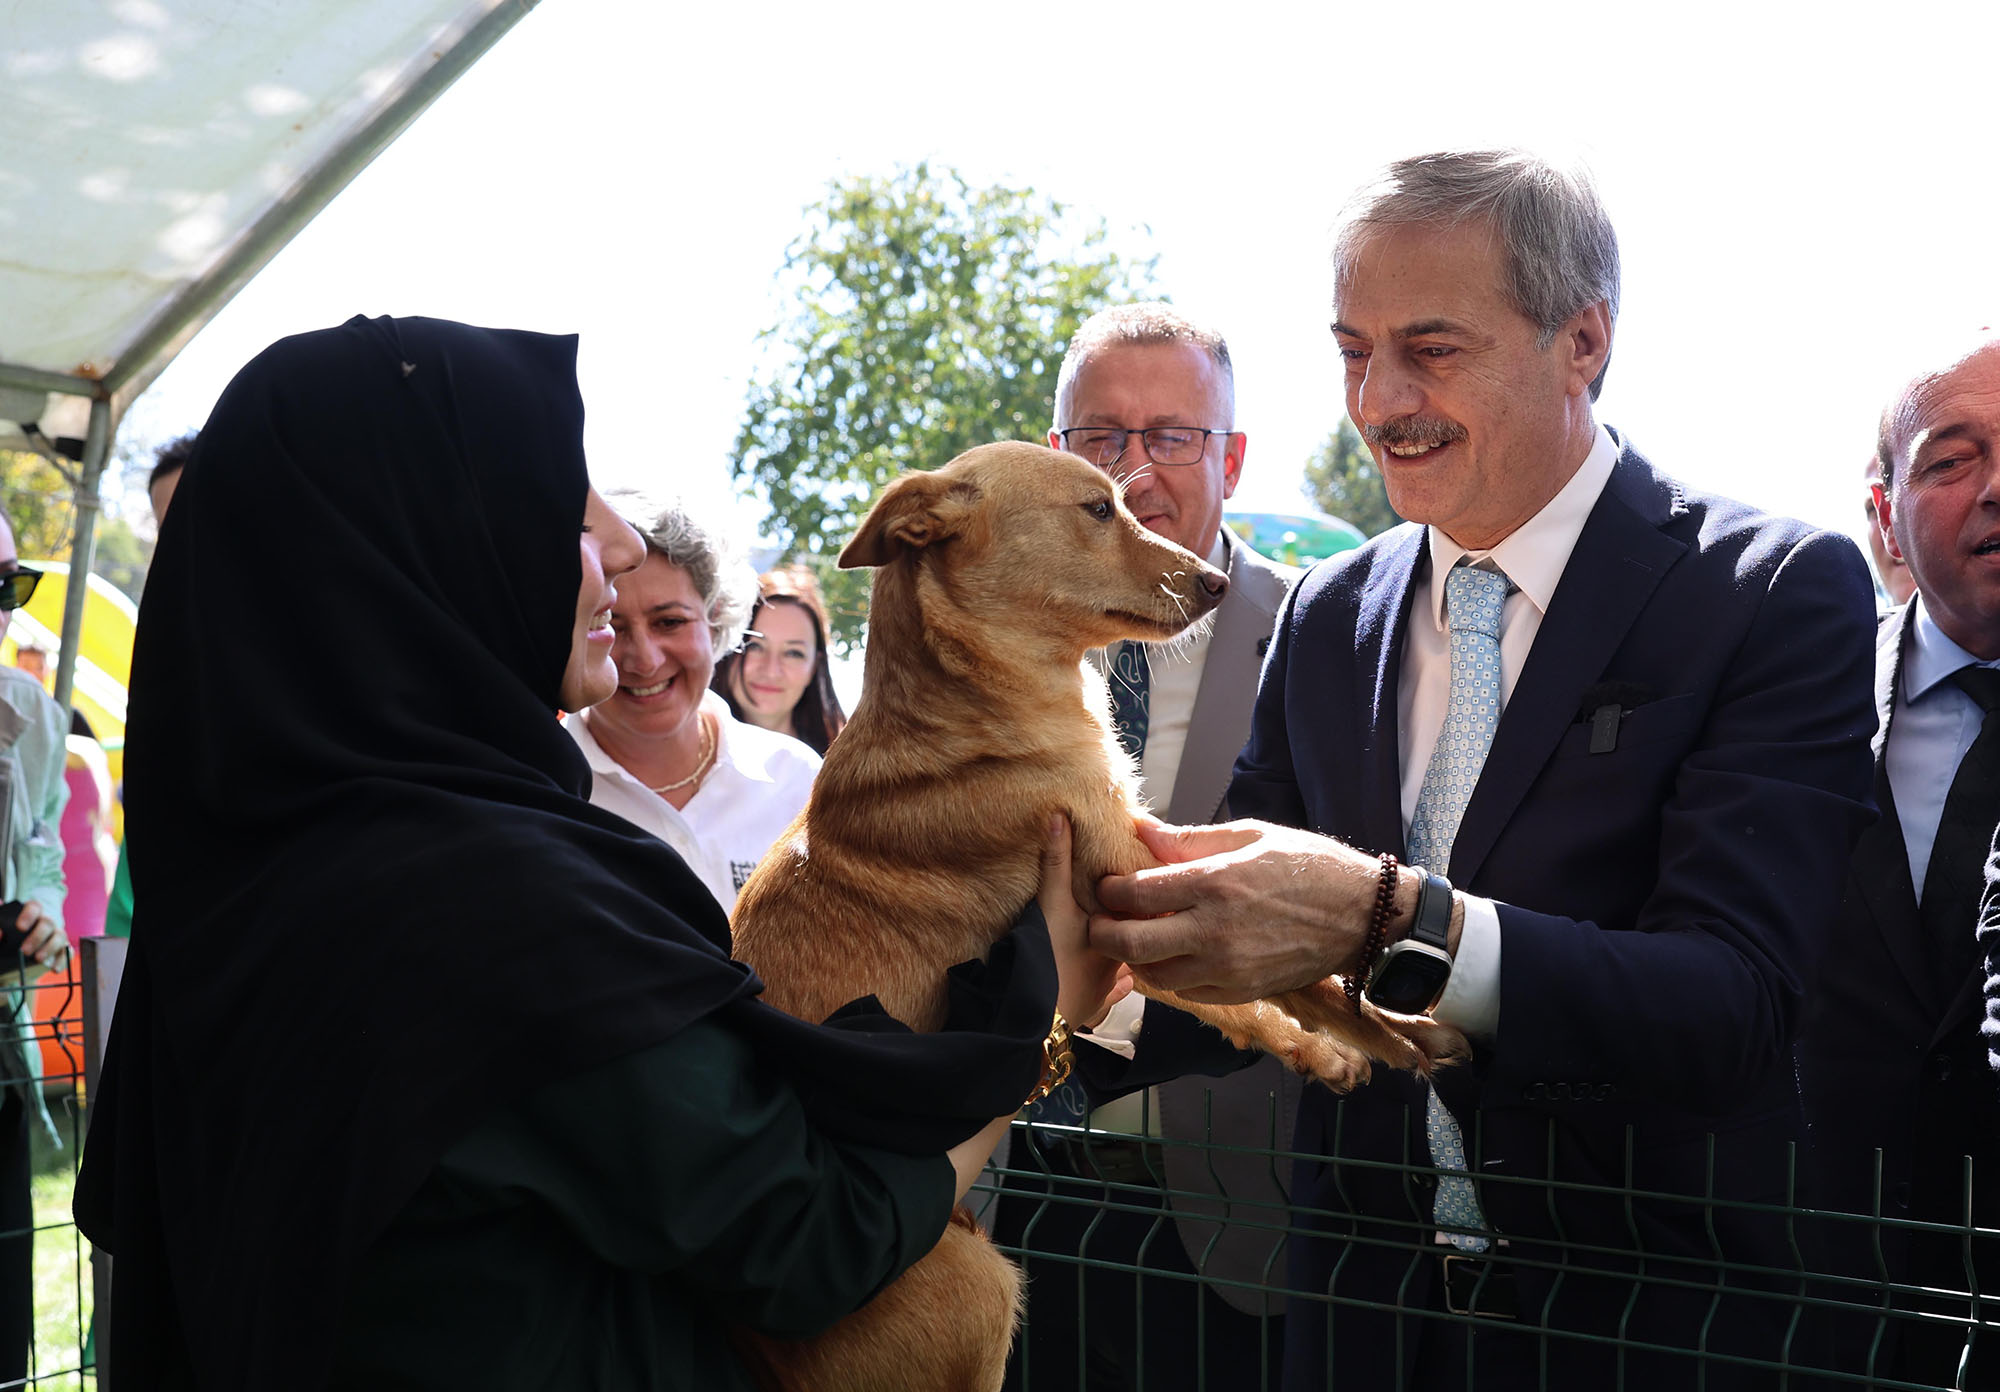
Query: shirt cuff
<point x="1119" y="1033"/>
<point x="1471" y="999"/>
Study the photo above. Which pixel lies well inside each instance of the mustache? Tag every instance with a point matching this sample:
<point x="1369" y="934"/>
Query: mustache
<point x="1414" y="430"/>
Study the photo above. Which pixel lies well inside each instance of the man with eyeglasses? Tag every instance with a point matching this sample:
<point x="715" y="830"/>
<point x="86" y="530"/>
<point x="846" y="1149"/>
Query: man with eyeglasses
<point x="1150" y="397"/>
<point x="32" y="794"/>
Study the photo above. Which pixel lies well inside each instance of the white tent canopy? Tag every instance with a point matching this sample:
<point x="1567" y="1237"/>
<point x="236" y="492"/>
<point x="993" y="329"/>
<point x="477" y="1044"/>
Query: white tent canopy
<point x="154" y="155"/>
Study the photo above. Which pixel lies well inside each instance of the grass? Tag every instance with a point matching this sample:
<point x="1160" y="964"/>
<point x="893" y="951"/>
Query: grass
<point x="62" y="1289"/>
<point x="62" y="1261"/>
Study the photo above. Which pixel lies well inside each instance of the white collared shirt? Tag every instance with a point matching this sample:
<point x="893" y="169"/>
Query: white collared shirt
<point x="1173" y="680"/>
<point x="760" y="781"/>
<point x="1935" y="724"/>
<point x="1533" y="556"/>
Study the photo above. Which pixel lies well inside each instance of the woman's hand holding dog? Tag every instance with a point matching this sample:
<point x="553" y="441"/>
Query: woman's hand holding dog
<point x="1243" y="910"/>
<point x="1091" y="982"/>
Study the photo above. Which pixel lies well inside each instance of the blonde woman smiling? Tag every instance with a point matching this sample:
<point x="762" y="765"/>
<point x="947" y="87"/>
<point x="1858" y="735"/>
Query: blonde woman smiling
<point x="666" y="753"/>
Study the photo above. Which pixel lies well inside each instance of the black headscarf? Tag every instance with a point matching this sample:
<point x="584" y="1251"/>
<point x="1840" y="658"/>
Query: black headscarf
<point x="373" y="899"/>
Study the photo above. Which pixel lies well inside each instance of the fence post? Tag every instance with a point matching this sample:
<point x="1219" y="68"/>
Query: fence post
<point x="103" y="969"/>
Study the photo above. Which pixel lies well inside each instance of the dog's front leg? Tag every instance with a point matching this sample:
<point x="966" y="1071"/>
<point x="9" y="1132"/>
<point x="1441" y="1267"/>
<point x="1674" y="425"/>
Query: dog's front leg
<point x="1407" y="1041"/>
<point x="1262" y="1025"/>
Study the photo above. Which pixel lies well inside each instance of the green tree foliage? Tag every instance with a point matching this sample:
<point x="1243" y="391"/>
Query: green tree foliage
<point x="37" y="499"/>
<point x="123" y="556"/>
<point x="930" y="316"/>
<point x="38" y="505"/>
<point x="1342" y="479"/>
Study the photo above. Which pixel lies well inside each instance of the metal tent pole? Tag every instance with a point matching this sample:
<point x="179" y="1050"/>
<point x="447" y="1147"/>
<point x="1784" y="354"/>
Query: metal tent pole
<point x="181" y="317"/>
<point x="83" y="550"/>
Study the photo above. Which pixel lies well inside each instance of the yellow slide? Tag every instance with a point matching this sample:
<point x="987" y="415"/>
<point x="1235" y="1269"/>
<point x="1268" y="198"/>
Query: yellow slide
<point x="104" y="665"/>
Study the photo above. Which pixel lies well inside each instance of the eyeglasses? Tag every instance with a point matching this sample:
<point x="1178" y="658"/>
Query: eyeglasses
<point x="17" y="586"/>
<point x="1163" y="444"/>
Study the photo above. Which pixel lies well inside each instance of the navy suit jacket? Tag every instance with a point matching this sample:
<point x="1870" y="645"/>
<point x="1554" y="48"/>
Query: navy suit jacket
<point x="1890" y="1058"/>
<point x="1662" y="906"/>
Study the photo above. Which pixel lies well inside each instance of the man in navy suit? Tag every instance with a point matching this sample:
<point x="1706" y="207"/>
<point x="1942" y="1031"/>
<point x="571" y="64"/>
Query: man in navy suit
<point x="1890" y="1059"/>
<point x="1630" y="754"/>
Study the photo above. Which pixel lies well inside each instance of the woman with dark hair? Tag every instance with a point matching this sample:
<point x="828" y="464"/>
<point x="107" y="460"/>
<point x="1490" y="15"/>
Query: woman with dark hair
<point x="500" y="1112"/>
<point x="780" y="678"/>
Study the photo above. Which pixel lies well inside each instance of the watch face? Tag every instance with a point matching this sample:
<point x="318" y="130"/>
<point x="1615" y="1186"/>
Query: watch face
<point x="1409" y="978"/>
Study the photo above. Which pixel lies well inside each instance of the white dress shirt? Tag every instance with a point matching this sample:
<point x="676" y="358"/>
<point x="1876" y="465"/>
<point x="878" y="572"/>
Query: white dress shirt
<point x="759" y="782"/>
<point x="1935" y="724"/>
<point x="1533" y="556"/>
<point x="1173" y="679"/>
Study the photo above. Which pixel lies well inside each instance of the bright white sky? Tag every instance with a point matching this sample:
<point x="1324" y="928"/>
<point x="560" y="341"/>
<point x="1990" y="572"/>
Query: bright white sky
<point x="1800" y="191"/>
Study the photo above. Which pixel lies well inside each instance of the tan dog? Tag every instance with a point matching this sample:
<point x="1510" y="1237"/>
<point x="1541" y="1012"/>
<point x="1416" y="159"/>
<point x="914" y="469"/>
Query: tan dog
<point x="978" y="719"/>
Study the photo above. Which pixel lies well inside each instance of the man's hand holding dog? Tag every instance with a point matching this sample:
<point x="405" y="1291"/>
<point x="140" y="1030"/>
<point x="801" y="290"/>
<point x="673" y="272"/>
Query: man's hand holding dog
<point x="1244" y="910"/>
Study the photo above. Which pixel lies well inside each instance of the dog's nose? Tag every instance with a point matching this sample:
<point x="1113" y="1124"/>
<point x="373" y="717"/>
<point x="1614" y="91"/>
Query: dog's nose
<point x="1214" y="582"/>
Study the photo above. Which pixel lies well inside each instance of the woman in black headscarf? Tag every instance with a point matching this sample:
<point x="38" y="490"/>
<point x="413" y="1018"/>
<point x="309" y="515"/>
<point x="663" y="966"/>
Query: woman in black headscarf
<point x="496" y="1109"/>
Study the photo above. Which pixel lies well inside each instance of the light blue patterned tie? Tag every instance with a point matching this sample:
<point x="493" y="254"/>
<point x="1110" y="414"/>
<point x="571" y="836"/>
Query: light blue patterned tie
<point x="1473" y="600"/>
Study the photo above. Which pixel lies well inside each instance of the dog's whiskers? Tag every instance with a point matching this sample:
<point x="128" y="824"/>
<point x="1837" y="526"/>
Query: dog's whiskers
<point x="1177" y="648"/>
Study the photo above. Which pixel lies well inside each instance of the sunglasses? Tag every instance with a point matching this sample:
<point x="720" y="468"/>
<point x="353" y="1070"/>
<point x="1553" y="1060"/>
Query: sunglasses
<point x="17" y="586"/>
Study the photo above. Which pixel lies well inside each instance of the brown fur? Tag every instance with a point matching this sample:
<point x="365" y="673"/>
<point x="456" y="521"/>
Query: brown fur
<point x="922" y="840"/>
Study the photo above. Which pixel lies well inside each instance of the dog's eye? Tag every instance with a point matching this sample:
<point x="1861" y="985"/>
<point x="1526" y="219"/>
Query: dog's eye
<point x="1101" y="510"/>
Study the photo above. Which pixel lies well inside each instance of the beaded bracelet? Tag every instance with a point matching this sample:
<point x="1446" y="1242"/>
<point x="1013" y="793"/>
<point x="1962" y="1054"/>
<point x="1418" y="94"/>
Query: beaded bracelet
<point x="1378" y="931"/>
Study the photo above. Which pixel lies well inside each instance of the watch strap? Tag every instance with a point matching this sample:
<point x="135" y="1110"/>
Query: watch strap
<point x="1432" y="925"/>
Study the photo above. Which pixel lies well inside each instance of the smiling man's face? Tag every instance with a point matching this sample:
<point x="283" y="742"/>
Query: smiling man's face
<point x="1139" y="386"/>
<point x="1474" y="423"/>
<point x="1943" y="509"/>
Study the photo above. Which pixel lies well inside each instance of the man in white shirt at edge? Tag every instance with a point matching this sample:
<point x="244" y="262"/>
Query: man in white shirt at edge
<point x="1128" y="371"/>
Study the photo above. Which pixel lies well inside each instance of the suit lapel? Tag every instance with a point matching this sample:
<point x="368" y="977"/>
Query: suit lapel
<point x="1879" y="874"/>
<point x="1220" y="720"/>
<point x="1379" y="630"/>
<point x="1619" y="559"/>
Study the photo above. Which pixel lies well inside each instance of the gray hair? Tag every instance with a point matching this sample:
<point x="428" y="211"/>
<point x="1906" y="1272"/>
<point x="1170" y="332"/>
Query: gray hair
<point x="722" y="575"/>
<point x="1140" y="325"/>
<point x="1561" y="253"/>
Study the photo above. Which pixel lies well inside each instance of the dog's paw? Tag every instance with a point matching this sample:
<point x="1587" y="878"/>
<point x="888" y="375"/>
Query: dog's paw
<point x="1323" y="1057"/>
<point x="1438" y="1042"/>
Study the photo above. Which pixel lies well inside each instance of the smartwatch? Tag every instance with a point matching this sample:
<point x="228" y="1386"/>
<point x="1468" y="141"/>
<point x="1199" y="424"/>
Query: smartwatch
<point x="1412" y="973"/>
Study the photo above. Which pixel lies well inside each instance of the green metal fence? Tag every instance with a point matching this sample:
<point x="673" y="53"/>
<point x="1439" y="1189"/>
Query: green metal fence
<point x="49" y="1011"/>
<point x="1091" y="1214"/>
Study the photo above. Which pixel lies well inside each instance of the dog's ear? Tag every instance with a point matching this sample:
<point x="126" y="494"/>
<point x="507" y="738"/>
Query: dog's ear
<point x="915" y="511"/>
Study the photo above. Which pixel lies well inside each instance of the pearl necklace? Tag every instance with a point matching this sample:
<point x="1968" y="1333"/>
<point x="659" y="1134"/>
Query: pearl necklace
<point x="701" y="765"/>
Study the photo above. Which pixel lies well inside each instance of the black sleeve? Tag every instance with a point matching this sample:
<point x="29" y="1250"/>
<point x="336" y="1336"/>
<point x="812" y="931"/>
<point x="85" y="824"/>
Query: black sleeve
<point x="1171" y="1044"/>
<point x="690" y="1161"/>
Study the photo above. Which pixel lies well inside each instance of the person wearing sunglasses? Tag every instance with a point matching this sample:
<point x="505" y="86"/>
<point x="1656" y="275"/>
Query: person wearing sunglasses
<point x="32" y="794"/>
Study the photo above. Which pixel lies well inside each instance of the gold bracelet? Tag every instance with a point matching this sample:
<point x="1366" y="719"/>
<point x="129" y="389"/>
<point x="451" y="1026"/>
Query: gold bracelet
<point x="1057" y="1057"/>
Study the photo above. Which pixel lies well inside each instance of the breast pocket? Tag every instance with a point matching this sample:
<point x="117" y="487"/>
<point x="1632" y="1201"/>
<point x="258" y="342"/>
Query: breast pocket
<point x="1671" y="718"/>
<point x="1634" y="777"/>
